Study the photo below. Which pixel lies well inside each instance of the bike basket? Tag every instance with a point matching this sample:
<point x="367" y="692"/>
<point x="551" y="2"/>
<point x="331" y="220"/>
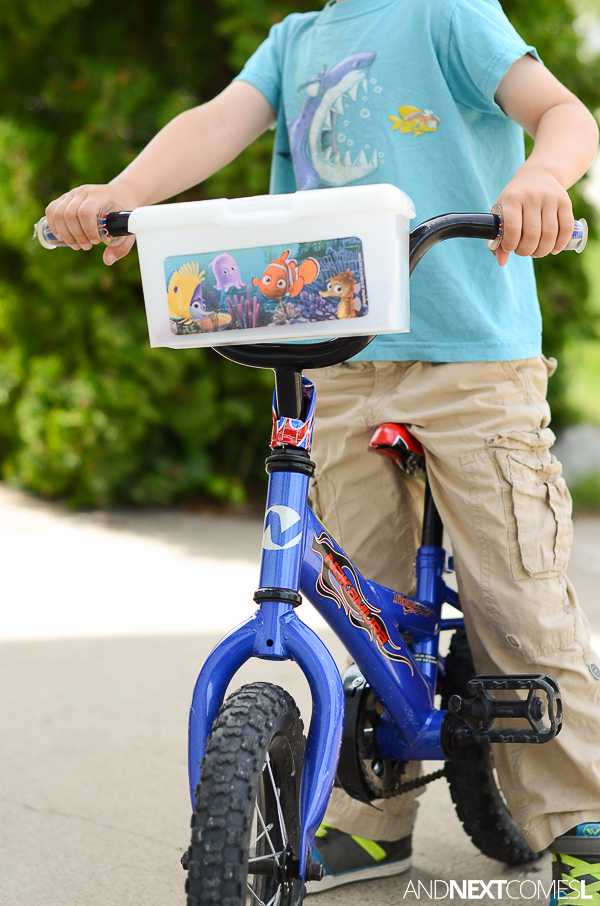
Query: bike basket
<point x="303" y="266"/>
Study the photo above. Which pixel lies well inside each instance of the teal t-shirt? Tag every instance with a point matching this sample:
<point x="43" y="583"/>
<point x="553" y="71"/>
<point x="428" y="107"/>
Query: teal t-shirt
<point x="402" y="91"/>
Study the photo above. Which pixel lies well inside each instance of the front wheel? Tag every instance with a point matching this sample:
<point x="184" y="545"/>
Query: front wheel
<point x="246" y="822"/>
<point x="473" y="780"/>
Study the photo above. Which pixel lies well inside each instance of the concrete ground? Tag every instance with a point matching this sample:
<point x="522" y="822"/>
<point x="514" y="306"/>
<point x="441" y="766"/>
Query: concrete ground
<point x="106" y="622"/>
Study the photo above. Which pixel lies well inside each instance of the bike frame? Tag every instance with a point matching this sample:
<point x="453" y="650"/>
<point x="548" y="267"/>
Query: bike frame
<point x="300" y="555"/>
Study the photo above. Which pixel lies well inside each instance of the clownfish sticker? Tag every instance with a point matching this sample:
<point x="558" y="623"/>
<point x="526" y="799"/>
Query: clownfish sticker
<point x="285" y="277"/>
<point x="414" y="121"/>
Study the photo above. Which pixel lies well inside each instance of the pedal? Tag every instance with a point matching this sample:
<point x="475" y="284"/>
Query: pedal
<point x="480" y="712"/>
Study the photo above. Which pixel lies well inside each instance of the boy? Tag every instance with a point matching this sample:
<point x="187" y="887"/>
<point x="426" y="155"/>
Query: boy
<point x="431" y="95"/>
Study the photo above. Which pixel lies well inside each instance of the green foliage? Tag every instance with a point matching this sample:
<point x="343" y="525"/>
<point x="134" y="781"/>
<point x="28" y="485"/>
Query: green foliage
<point x="583" y="355"/>
<point x="586" y="493"/>
<point x="87" y="410"/>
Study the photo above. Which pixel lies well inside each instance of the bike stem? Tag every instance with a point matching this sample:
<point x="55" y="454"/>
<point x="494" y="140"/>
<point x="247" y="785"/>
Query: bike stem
<point x="288" y="392"/>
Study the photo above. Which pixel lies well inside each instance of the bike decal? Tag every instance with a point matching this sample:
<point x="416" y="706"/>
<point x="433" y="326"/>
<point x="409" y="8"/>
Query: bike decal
<point x="424" y="658"/>
<point x="347" y="596"/>
<point x="291" y="432"/>
<point x="266" y="286"/>
<point x="286" y="517"/>
<point x="295" y="432"/>
<point x="409" y="605"/>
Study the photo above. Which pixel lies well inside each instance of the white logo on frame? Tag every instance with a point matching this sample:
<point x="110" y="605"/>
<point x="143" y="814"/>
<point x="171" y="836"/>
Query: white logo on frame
<point x="287" y="519"/>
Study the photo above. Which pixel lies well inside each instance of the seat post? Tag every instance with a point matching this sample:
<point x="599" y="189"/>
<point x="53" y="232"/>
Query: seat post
<point x="433" y="529"/>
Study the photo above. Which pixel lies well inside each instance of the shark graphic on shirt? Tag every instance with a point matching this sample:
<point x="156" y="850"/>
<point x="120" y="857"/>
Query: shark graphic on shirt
<point x="316" y="157"/>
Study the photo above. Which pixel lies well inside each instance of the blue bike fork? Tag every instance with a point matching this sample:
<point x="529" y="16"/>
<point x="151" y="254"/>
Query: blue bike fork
<point x="276" y="633"/>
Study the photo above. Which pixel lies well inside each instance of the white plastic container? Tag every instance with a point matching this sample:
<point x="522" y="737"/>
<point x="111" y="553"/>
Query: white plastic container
<point x="303" y="266"/>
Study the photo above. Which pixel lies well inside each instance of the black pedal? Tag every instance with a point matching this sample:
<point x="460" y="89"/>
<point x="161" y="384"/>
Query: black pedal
<point x="483" y="709"/>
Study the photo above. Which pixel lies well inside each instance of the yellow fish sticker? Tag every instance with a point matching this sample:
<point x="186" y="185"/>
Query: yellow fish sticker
<point x="415" y="121"/>
<point x="182" y="285"/>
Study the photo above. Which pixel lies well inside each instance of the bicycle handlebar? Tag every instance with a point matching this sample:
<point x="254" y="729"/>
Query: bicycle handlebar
<point x="113" y="223"/>
<point x="422" y="238"/>
<point x="450" y="226"/>
<point x="117" y="223"/>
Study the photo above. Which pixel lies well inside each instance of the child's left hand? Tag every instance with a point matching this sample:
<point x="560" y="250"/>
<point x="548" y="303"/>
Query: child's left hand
<point x="537" y="215"/>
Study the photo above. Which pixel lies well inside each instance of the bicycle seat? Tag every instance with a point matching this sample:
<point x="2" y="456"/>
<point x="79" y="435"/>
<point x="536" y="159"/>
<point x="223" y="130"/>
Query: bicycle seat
<point x="396" y="442"/>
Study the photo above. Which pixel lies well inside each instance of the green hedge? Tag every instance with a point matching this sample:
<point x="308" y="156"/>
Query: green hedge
<point x="87" y="411"/>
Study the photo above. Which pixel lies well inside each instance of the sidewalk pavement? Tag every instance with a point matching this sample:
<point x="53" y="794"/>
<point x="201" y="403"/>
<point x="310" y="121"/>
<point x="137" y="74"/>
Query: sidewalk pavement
<point x="107" y="620"/>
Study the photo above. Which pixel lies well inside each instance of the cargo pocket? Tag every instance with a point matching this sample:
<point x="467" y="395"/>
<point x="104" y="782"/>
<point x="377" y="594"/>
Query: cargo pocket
<point x="541" y="506"/>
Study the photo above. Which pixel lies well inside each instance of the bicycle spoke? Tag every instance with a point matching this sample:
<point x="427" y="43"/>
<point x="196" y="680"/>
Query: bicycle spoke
<point x="268" y="856"/>
<point x="257" y="898"/>
<point x="266" y="830"/>
<point x="279" y="810"/>
<point x="261" y="835"/>
<point x="274" y="901"/>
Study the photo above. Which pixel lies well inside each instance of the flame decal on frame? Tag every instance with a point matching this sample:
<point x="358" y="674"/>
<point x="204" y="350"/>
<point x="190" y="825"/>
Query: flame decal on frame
<point x="347" y="595"/>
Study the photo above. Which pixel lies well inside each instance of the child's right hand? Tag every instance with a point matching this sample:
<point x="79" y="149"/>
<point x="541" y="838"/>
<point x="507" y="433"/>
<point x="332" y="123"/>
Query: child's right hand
<point x="73" y="217"/>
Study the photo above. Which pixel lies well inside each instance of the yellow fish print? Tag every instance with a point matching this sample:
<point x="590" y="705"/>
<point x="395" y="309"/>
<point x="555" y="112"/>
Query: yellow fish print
<point x="182" y="285"/>
<point x="415" y="121"/>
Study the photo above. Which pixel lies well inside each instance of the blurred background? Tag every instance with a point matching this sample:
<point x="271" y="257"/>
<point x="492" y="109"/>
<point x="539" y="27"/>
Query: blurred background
<point x="88" y="412"/>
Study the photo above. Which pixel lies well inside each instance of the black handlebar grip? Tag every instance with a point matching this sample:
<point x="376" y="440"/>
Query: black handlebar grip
<point x="117" y="223"/>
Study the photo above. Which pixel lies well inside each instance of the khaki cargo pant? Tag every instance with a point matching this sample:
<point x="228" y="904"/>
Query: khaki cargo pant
<point x="484" y="427"/>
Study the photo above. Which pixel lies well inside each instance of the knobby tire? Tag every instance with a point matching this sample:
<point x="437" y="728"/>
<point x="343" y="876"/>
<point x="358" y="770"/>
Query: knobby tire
<point x="247" y="802"/>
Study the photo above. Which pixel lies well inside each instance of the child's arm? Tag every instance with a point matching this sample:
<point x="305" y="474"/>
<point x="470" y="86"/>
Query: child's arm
<point x="538" y="216"/>
<point x="188" y="150"/>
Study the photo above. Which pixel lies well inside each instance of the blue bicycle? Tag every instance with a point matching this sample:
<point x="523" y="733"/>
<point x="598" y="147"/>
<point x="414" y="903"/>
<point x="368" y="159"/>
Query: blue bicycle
<point x="259" y="792"/>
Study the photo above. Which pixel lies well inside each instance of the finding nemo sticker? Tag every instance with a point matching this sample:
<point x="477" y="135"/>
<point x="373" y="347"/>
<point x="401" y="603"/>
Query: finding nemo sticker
<point x="268" y="286"/>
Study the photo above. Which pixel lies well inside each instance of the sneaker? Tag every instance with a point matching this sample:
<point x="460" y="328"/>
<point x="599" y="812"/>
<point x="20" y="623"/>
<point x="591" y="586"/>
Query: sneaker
<point x="348" y="858"/>
<point x="576" y="867"/>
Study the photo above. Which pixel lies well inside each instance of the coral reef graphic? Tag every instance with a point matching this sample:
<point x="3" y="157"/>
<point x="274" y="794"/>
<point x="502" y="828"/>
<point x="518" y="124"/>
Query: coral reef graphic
<point x="242" y="314"/>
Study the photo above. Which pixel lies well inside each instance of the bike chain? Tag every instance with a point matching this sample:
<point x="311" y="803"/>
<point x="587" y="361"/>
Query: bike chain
<point x="409" y="785"/>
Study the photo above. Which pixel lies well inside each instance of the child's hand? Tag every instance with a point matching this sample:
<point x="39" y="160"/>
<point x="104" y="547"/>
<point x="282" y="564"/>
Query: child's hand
<point x="537" y="214"/>
<point x="538" y="217"/>
<point x="73" y="217"/>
